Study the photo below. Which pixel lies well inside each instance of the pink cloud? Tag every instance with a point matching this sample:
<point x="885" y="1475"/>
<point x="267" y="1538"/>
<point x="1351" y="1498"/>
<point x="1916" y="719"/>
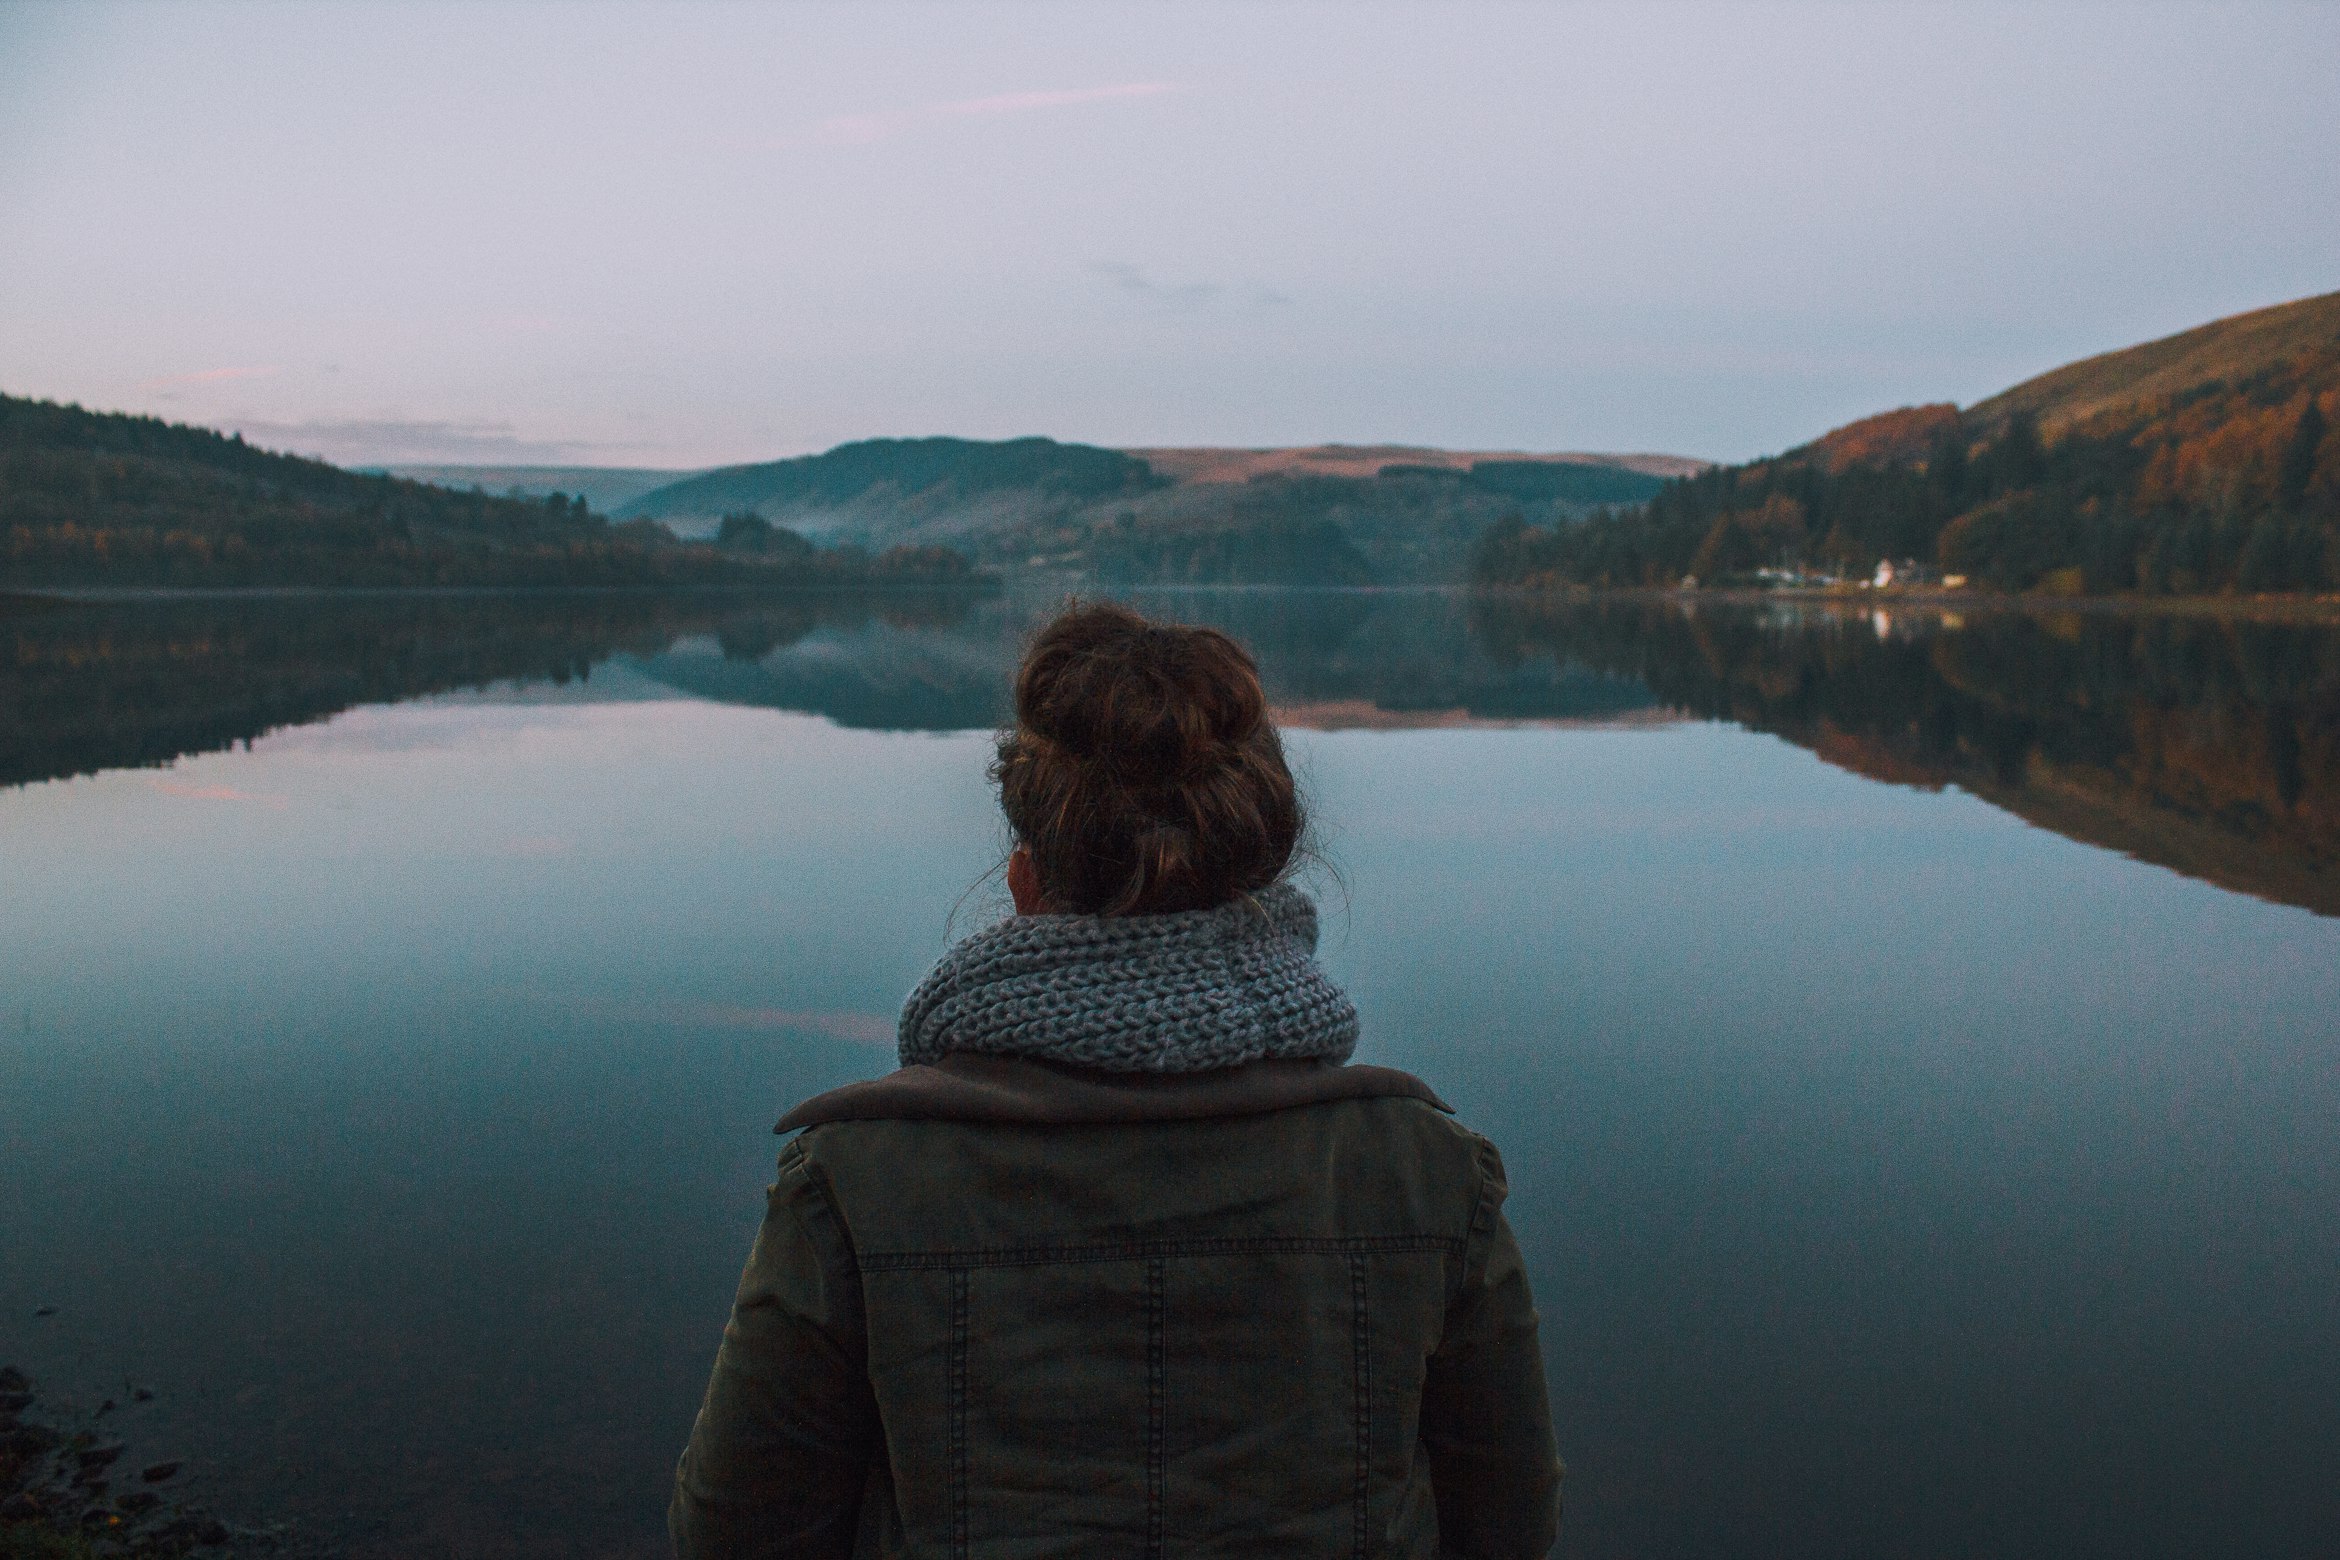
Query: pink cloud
<point x="211" y="376"/>
<point x="213" y="793"/>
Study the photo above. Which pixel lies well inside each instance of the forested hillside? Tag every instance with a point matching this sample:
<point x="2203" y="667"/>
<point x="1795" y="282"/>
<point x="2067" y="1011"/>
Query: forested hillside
<point x="2204" y="463"/>
<point x="1110" y="516"/>
<point x="93" y="499"/>
<point x="1406" y="524"/>
<point x="915" y="477"/>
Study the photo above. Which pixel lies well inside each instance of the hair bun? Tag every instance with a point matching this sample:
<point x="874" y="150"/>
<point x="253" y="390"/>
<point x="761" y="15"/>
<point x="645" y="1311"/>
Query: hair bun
<point x="1142" y="754"/>
<point x="1152" y="704"/>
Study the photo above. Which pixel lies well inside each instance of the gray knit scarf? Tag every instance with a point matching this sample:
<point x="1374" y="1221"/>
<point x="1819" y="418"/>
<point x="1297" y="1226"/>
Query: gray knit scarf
<point x="1141" y="993"/>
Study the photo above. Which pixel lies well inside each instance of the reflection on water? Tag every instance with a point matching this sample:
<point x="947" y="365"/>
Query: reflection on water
<point x="87" y="686"/>
<point x="386" y="1079"/>
<point x="2208" y="745"/>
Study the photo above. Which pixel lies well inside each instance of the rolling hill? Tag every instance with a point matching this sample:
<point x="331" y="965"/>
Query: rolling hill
<point x="1323" y="514"/>
<point x="2137" y="381"/>
<point x="2203" y="463"/>
<point x="911" y="482"/>
<point x="102" y="499"/>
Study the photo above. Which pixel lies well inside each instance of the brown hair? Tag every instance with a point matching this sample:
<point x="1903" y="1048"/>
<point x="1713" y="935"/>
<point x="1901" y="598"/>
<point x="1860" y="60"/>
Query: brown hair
<point x="1142" y="772"/>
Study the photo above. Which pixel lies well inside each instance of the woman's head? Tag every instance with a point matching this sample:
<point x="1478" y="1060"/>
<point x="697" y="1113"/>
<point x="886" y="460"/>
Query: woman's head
<point x="1142" y="774"/>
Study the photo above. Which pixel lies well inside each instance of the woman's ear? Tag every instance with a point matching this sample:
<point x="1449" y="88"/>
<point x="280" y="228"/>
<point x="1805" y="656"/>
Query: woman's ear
<point x="1024" y="882"/>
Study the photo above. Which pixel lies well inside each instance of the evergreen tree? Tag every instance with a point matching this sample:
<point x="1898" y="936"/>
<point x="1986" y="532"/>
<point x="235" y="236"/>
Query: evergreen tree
<point x="1946" y="469"/>
<point x="2299" y="458"/>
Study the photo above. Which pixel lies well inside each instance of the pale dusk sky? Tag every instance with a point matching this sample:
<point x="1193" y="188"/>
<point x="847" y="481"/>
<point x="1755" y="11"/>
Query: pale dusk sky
<point x="687" y="234"/>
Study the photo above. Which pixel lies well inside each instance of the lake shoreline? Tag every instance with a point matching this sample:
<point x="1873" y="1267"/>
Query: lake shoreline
<point x="2264" y="608"/>
<point x="46" y="597"/>
<point x="57" y="1500"/>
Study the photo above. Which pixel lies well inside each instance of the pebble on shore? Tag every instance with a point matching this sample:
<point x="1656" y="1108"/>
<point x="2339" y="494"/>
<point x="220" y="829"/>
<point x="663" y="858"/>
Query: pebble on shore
<point x="53" y="1495"/>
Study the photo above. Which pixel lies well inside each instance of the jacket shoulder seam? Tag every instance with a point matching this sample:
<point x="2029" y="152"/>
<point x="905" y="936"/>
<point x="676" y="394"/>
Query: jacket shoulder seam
<point x="823" y="1205"/>
<point x="1485" y="1205"/>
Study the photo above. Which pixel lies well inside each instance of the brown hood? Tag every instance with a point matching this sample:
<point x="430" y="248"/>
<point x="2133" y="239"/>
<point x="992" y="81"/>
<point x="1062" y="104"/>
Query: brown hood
<point x="964" y="1086"/>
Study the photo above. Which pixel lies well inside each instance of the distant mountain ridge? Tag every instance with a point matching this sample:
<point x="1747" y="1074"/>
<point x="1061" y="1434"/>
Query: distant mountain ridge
<point x="2201" y="463"/>
<point x="1323" y="514"/>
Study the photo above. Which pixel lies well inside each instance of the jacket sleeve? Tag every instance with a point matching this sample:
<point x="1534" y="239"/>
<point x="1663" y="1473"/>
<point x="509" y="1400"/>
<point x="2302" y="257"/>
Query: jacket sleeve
<point x="777" y="1460"/>
<point x="1486" y="1423"/>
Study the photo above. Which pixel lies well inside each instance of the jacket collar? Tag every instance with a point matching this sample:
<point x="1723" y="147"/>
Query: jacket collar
<point x="963" y="1086"/>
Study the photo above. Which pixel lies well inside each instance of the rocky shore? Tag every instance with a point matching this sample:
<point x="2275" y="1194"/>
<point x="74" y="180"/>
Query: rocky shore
<point x="68" y="1492"/>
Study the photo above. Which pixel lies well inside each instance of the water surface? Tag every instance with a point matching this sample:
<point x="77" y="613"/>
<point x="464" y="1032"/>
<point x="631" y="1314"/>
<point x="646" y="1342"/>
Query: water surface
<point x="1911" y="1040"/>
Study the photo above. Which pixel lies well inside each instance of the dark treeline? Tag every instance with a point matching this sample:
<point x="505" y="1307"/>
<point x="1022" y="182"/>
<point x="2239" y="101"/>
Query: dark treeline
<point x="1542" y="481"/>
<point x="106" y="500"/>
<point x="2206" y="744"/>
<point x="796" y="557"/>
<point x="1259" y="539"/>
<point x="2233" y="487"/>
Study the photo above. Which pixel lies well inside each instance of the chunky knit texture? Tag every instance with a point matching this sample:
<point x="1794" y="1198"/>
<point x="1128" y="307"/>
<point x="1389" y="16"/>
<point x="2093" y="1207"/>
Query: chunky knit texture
<point x="1140" y="993"/>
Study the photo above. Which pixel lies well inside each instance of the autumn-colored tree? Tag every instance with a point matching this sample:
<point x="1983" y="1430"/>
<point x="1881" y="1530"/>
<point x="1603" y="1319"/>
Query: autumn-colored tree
<point x="2225" y="485"/>
<point x="1770" y="535"/>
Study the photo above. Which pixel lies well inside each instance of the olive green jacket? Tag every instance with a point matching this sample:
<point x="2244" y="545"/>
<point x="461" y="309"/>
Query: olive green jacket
<point x="1003" y="1308"/>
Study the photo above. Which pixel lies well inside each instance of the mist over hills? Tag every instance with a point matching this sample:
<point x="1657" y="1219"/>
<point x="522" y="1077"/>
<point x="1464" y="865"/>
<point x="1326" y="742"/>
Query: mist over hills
<point x="2203" y="463"/>
<point x="1327" y="514"/>
<point x="604" y="488"/>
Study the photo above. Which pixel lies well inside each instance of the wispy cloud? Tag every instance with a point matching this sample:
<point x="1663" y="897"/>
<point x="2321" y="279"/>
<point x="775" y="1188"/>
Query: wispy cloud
<point x="391" y="441"/>
<point x="865" y="129"/>
<point x="211" y="376"/>
<point x="1132" y="280"/>
<point x="1134" y="283"/>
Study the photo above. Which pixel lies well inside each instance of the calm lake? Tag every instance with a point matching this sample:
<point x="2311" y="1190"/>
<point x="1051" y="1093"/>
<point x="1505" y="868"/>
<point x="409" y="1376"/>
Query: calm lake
<point x="1914" y="1037"/>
